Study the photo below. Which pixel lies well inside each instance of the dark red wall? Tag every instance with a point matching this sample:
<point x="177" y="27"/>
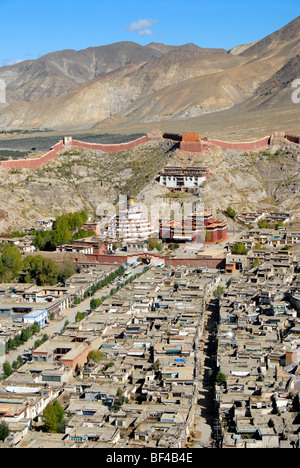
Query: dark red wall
<point x="241" y="146"/>
<point x="293" y="139"/>
<point x="53" y="153"/>
<point x="110" y="148"/>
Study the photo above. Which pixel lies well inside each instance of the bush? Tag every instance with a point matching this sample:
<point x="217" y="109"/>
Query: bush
<point x="231" y="212"/>
<point x="239" y="249"/>
<point x="218" y="293"/>
<point x="95" y="356"/>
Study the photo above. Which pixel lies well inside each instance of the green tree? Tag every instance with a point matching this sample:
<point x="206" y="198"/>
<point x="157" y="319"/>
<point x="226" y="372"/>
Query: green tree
<point x="159" y="246"/>
<point x="10" y="263"/>
<point x="79" y="316"/>
<point x="255" y="263"/>
<point x="156" y="365"/>
<point x="50" y="418"/>
<point x="239" y="249"/>
<point x="95" y="356"/>
<point x="4" y="431"/>
<point x="35" y="328"/>
<point x="53" y="417"/>
<point x="152" y="242"/>
<point x="66" y="269"/>
<point x="220" y="378"/>
<point x="39" y="240"/>
<point x="41" y="270"/>
<point x="25" y="335"/>
<point x="49" y="240"/>
<point x="7" y="370"/>
<point x="218" y="292"/>
<point x="262" y="224"/>
<point x="119" y="401"/>
<point x="94" y="304"/>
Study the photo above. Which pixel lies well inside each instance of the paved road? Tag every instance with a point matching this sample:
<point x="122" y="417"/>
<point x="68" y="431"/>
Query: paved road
<point x="57" y="325"/>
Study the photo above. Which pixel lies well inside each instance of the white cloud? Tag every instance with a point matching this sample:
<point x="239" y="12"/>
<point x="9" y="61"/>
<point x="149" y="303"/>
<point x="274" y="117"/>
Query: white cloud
<point x="8" y="63"/>
<point x="142" y="26"/>
<point x="145" y="32"/>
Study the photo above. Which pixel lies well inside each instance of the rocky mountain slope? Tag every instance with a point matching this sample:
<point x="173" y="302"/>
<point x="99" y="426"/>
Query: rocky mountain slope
<point x="126" y="83"/>
<point x="86" y="179"/>
<point x="278" y="90"/>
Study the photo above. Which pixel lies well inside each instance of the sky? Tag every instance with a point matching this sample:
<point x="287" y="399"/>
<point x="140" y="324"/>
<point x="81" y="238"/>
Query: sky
<point x="32" y="28"/>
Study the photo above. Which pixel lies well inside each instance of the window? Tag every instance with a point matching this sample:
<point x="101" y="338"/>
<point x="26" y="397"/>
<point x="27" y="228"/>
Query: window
<point x="51" y="378"/>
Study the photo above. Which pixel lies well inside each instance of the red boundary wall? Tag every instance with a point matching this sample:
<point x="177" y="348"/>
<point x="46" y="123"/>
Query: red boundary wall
<point x="184" y="146"/>
<point x="293" y="139"/>
<point x="35" y="162"/>
<point x="241" y="146"/>
<point x="218" y="263"/>
<point x="56" y="149"/>
<point x="110" y="148"/>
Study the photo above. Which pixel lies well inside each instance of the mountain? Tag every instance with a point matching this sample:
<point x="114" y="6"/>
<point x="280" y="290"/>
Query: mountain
<point x="129" y="84"/>
<point x="285" y="35"/>
<point x="278" y="90"/>
<point x="55" y="73"/>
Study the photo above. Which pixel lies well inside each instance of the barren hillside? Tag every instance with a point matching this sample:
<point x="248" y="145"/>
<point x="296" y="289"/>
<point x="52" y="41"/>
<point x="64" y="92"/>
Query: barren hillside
<point x="85" y="179"/>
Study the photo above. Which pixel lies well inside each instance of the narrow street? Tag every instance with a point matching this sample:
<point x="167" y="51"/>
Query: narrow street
<point x="205" y="410"/>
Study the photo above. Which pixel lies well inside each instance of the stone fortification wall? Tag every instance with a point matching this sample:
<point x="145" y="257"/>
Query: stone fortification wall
<point x="293" y="139"/>
<point x="188" y="142"/>
<point x="110" y="148"/>
<point x="240" y="146"/>
<point x="34" y="162"/>
<point x="66" y="144"/>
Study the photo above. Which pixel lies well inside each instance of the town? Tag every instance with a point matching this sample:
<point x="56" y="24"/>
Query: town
<point x="139" y="334"/>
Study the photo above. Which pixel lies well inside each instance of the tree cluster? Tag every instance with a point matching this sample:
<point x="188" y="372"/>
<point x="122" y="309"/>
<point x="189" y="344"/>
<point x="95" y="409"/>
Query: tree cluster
<point x="45" y="271"/>
<point x="155" y="244"/>
<point x="101" y="284"/>
<point x="22" y="338"/>
<point x="61" y="234"/>
<point x="239" y="249"/>
<point x="263" y="224"/>
<point x="34" y="268"/>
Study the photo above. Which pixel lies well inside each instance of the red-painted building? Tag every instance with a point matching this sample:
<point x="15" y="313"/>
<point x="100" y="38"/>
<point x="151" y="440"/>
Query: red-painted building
<point x="216" y="231"/>
<point x="198" y="228"/>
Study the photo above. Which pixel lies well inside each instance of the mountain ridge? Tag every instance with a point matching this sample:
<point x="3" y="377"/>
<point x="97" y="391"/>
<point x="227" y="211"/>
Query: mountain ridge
<point x="125" y="81"/>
